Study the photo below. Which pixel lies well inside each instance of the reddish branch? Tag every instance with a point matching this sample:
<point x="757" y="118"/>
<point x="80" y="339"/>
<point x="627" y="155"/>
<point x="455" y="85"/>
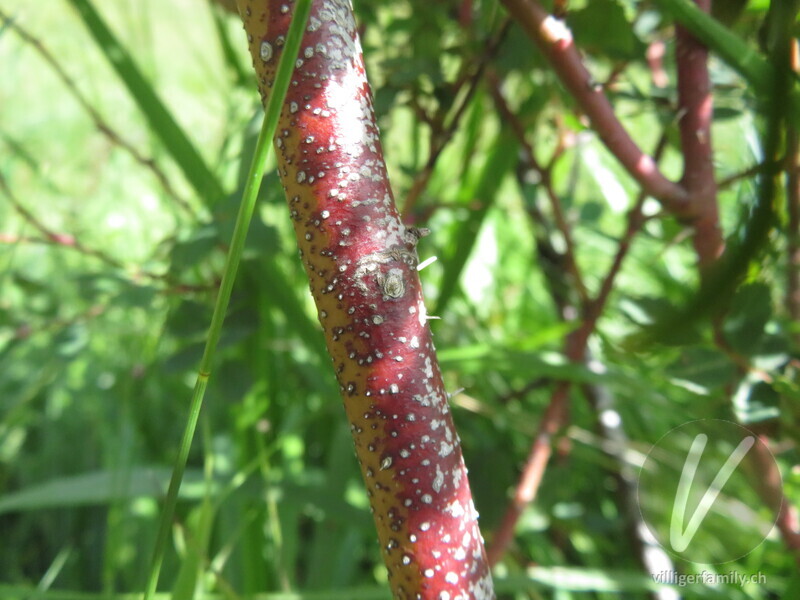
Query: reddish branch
<point x="442" y="133"/>
<point x="695" y="111"/>
<point x="545" y="180"/>
<point x="555" y="416"/>
<point x="528" y="485"/>
<point x="793" y="212"/>
<point x="53" y="237"/>
<point x="555" y="41"/>
<point x="693" y="201"/>
<point x="770" y="487"/>
<point x="361" y="261"/>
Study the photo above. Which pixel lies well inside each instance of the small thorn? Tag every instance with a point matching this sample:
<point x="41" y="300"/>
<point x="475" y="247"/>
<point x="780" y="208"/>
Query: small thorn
<point x="431" y="317"/>
<point x="426" y="262"/>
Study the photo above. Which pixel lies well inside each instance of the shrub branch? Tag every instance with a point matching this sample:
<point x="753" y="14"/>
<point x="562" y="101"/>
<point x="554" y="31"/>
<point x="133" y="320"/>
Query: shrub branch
<point x="361" y="262"/>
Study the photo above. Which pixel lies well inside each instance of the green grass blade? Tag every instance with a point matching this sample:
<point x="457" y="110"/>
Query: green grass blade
<point x="97" y="488"/>
<point x="161" y="122"/>
<point x="198" y="534"/>
<point x="272" y="114"/>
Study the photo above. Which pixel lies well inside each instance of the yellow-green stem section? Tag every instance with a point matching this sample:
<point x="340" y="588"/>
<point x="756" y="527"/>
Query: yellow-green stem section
<point x="285" y="68"/>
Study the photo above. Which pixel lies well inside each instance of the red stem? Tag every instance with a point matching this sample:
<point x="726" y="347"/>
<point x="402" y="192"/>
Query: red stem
<point x="793" y="213"/>
<point x="535" y="466"/>
<point x="554" y="417"/>
<point x="361" y="262"/>
<point x="555" y="42"/>
<point x="696" y="111"/>
<point x="770" y="488"/>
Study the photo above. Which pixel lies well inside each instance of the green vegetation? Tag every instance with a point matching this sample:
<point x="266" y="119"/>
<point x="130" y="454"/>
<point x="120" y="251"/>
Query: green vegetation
<point x="118" y="208"/>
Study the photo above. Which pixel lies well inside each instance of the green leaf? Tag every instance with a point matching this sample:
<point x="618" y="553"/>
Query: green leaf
<point x="71" y="340"/>
<point x="195" y="249"/>
<point x="756" y="401"/>
<point x="262" y="239"/>
<point x="189" y="320"/>
<point x="501" y="157"/>
<point x="703" y="367"/>
<point x="101" y="487"/>
<point x="749" y="313"/>
<point x="650" y="312"/>
<point x="602" y="28"/>
<point x="242" y="76"/>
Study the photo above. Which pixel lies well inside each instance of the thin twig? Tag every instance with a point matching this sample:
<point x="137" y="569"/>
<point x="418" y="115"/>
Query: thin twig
<point x="440" y="139"/>
<point x="747" y="173"/>
<point x="545" y="181"/>
<point x="554" y="417"/>
<point x="555" y="41"/>
<point x="61" y="239"/>
<point x="528" y="486"/>
<point x="793" y="212"/>
<point x="67" y="240"/>
<point x="100" y="123"/>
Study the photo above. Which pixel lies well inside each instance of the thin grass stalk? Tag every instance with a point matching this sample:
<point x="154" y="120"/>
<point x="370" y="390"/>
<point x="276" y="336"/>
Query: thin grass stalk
<point x="243" y="219"/>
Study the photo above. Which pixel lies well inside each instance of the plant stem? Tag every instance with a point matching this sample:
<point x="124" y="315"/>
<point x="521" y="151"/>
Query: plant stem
<point x="793" y="211"/>
<point x="555" y="416"/>
<point x="556" y="43"/>
<point x="243" y="219"/>
<point x="695" y="105"/>
<point x="362" y="265"/>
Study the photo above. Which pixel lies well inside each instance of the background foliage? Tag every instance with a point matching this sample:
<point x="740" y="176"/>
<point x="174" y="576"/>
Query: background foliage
<point x="110" y="258"/>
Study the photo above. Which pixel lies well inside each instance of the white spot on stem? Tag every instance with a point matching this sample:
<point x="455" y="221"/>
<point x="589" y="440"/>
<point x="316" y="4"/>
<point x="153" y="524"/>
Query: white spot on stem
<point x="266" y="51"/>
